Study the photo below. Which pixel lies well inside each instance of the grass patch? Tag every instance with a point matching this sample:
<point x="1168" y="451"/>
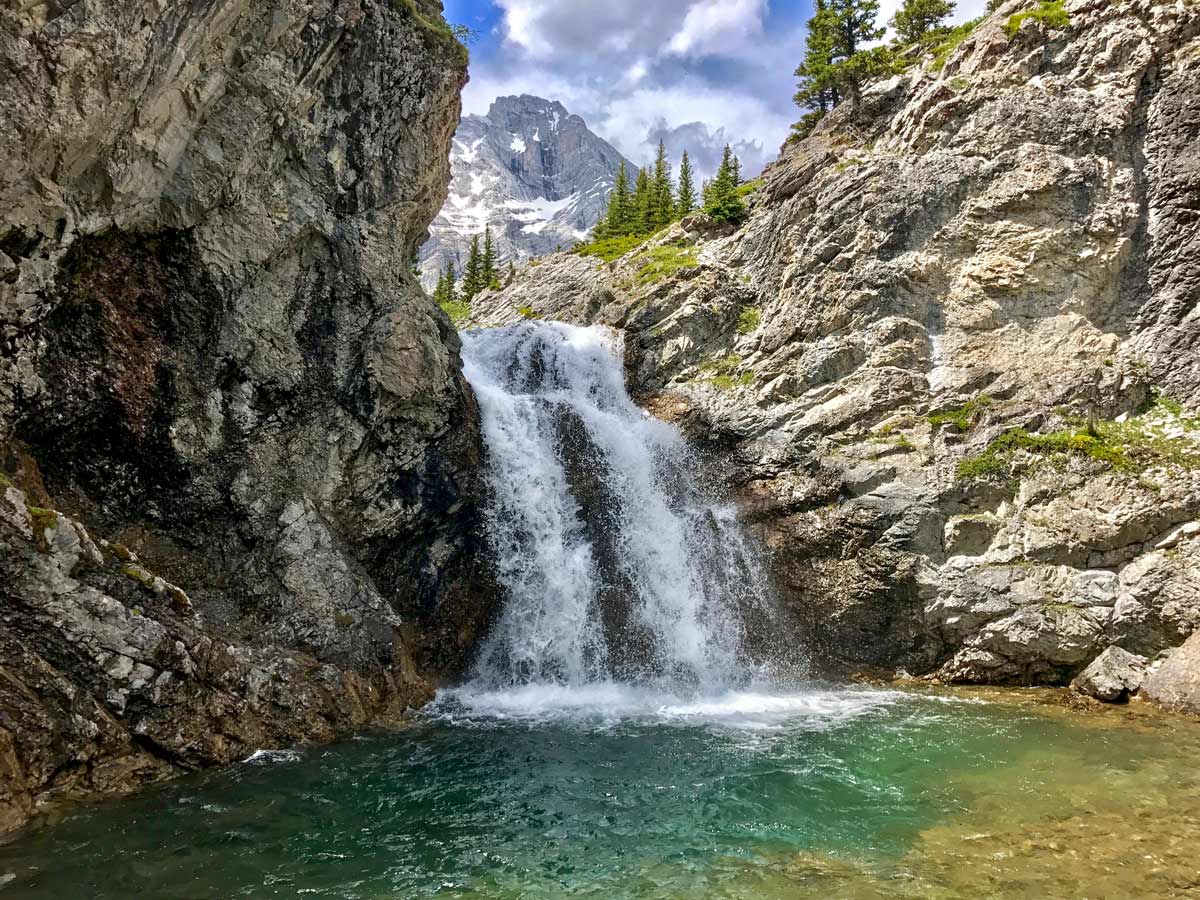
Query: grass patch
<point x="458" y="311"/>
<point x="948" y="44"/>
<point x="721" y="373"/>
<point x="609" y="249"/>
<point x="749" y="320"/>
<point x="962" y="417"/>
<point x="745" y="190"/>
<point x="1123" y="446"/>
<point x="662" y="262"/>
<point x="1051" y="13"/>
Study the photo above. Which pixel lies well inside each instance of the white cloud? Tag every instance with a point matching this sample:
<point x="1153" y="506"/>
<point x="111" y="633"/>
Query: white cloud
<point x="705" y="71"/>
<point x="711" y="26"/>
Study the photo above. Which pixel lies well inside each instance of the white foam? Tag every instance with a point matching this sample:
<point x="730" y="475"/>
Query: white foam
<point x="270" y="757"/>
<point x="610" y="703"/>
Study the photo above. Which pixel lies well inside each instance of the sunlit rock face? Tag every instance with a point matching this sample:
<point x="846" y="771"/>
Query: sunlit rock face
<point x="531" y="171"/>
<point x="1002" y="243"/>
<point x="240" y="461"/>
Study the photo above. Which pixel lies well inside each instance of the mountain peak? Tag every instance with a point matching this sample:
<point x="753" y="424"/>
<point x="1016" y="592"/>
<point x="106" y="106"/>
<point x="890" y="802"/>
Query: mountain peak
<point x="530" y="170"/>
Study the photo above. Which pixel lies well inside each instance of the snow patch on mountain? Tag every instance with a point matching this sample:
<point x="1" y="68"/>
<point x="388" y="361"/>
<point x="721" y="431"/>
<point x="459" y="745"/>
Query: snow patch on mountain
<point x="531" y="171"/>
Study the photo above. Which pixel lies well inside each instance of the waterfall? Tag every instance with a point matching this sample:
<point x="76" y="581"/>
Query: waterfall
<point x="617" y="563"/>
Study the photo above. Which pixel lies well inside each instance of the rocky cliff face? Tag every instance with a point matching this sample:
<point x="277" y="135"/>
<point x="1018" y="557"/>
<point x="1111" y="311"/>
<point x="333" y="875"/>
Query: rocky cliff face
<point x="530" y="170"/>
<point x="239" y="456"/>
<point x="953" y="351"/>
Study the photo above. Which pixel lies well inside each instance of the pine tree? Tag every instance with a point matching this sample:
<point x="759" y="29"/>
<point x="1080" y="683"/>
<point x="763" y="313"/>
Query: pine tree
<point x="662" y="198"/>
<point x="473" y="273"/>
<point x="451" y="289"/>
<point x="917" y="19"/>
<point x="721" y="199"/>
<point x="835" y="66"/>
<point x="643" y="204"/>
<point x="439" y="292"/>
<point x="512" y="274"/>
<point x="616" y="219"/>
<point x="735" y="168"/>
<point x="488" y="262"/>
<point x="686" y="198"/>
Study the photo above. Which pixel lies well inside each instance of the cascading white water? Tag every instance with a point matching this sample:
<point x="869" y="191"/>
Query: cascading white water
<point x="616" y="564"/>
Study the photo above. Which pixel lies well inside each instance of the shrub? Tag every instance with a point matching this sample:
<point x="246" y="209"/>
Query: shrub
<point x="962" y="417"/>
<point x="457" y="310"/>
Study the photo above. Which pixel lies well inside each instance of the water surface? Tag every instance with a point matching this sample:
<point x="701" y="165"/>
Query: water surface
<point x="629" y="793"/>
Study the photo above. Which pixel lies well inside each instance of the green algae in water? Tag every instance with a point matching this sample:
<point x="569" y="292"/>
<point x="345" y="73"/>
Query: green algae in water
<point x="857" y="794"/>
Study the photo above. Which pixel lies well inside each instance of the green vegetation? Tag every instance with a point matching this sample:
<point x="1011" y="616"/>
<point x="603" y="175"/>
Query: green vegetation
<point x="526" y="312"/>
<point x="1124" y="446"/>
<point x="42" y="520"/>
<point x="918" y="19"/>
<point x="721" y="373"/>
<point x="458" y="310"/>
<point x="1051" y="13"/>
<point x="749" y="187"/>
<point x="962" y="417"/>
<point x="950" y="41"/>
<point x="660" y="262"/>
<point x="749" y="319"/>
<point x="610" y="249"/>
<point x="439" y="35"/>
<point x="655" y="202"/>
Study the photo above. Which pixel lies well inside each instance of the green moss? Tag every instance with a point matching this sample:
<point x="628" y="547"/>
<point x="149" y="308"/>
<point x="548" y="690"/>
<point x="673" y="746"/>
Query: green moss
<point x="942" y="51"/>
<point x="749" y="320"/>
<point x="610" y="249"/>
<point x="962" y="417"/>
<point x="1051" y="13"/>
<point x="458" y="311"/>
<point x="138" y="574"/>
<point x="662" y="262"/>
<point x="43" y="520"/>
<point x="343" y="619"/>
<point x="526" y="312"/>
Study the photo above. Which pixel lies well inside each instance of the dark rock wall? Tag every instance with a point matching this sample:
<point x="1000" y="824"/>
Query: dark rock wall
<point x="219" y="377"/>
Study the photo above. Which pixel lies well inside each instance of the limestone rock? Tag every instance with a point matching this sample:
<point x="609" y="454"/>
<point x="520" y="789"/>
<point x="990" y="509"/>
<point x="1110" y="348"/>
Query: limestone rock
<point x="1004" y="242"/>
<point x="1175" y="682"/>
<point x="1112" y="676"/>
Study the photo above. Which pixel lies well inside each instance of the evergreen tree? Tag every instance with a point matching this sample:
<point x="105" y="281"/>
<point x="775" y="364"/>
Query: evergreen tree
<point x="643" y="204"/>
<point x="512" y="274"/>
<point x="662" y="191"/>
<point x="451" y="289"/>
<point x="994" y="5"/>
<point x="835" y="66"/>
<point x="473" y="273"/>
<point x="686" y="198"/>
<point x="918" y="18"/>
<point x="488" y="261"/>
<point x="735" y="167"/>
<point x="439" y="292"/>
<point x="721" y="200"/>
<point x="616" y="220"/>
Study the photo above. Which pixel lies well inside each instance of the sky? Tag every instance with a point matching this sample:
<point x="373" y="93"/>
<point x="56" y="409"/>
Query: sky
<point x="696" y="74"/>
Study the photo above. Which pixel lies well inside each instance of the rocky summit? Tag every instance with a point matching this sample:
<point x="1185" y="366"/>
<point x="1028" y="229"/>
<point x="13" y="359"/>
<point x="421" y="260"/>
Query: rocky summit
<point x="951" y="359"/>
<point x="529" y="170"/>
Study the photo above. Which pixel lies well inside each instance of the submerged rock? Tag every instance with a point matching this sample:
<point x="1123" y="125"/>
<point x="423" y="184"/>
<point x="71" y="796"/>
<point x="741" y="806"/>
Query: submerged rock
<point x="1113" y="676"/>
